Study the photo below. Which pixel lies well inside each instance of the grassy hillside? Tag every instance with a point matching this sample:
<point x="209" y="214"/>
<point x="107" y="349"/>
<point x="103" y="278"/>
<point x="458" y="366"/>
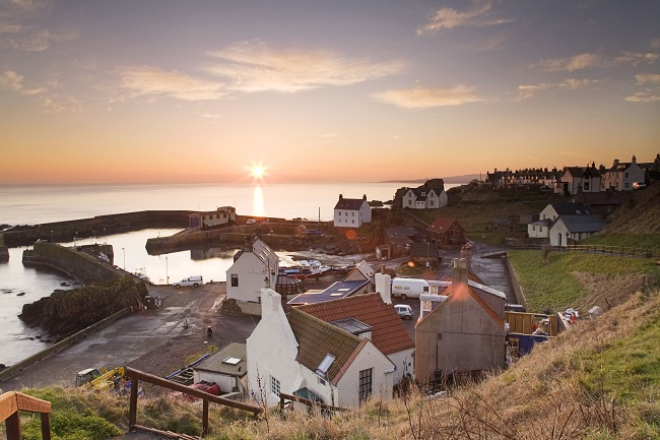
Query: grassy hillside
<point x="599" y="380"/>
<point x="573" y="279"/>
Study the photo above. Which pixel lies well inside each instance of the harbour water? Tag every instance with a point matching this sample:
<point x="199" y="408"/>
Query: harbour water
<point x="41" y="204"/>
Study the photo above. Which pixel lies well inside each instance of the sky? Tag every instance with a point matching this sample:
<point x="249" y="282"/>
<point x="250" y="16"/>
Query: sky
<point x="158" y="91"/>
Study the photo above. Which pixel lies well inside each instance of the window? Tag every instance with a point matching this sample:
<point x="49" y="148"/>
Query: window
<point x="365" y="384"/>
<point x="626" y="175"/>
<point x="533" y="228"/>
<point x="274" y="386"/>
<point x="234" y="280"/>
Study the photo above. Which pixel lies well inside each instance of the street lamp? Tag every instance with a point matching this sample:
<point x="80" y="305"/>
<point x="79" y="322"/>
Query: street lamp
<point x="167" y="272"/>
<point x="124" y="251"/>
<point x="51" y="236"/>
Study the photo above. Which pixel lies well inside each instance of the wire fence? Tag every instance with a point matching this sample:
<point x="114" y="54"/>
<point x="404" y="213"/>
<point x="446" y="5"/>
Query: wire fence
<point x="621" y="251"/>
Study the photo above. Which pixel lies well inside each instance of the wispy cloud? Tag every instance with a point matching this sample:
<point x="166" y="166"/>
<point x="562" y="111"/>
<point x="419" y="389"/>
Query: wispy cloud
<point x="652" y="91"/>
<point x="11" y="80"/>
<point x="255" y="67"/>
<point x="651" y="78"/>
<point x="577" y="62"/>
<point x="448" y="18"/>
<point x="211" y="116"/>
<point x="429" y="97"/>
<point x="591" y="60"/>
<point x="153" y="81"/>
<point x="527" y="91"/>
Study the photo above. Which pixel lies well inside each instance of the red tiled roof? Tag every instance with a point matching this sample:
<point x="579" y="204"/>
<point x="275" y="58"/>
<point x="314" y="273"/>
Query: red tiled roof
<point x="389" y="334"/>
<point x="441" y="225"/>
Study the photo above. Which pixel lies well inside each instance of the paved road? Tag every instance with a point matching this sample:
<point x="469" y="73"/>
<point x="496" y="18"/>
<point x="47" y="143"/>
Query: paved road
<point x="136" y="335"/>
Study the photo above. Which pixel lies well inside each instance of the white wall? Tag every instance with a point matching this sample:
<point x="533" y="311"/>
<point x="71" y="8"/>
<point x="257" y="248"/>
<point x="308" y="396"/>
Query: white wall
<point x="365" y="213"/>
<point x="345" y="218"/>
<point x="271" y="351"/>
<point x="226" y="383"/>
<point x="251" y="272"/>
<point x="537" y="231"/>
<point x="404" y="361"/>
<point x="382" y="384"/>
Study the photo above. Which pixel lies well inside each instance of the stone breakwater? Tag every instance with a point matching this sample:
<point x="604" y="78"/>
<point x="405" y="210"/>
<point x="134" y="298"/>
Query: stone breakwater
<point x="68" y="231"/>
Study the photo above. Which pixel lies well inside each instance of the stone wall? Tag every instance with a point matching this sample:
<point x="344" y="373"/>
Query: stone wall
<point x="515" y="282"/>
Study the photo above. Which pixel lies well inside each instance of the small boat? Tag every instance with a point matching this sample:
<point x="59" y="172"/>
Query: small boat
<point x="307" y="269"/>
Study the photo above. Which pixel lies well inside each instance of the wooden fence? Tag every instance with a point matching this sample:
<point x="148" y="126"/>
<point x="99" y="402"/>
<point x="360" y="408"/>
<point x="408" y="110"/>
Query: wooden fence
<point x="13" y="402"/>
<point x="310" y="403"/>
<point x="623" y="251"/>
<point x="137" y="376"/>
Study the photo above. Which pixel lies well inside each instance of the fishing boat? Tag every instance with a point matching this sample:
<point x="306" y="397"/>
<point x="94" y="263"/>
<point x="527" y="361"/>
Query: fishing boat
<point x="306" y="269"/>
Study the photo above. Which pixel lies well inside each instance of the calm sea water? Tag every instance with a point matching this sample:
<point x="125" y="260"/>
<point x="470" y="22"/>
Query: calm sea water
<point x="41" y="204"/>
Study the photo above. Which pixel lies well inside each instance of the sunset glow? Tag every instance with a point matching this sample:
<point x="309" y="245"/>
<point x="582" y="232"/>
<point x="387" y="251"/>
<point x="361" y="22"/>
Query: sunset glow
<point x="151" y="92"/>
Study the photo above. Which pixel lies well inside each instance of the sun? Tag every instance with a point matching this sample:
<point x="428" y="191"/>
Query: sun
<point x="258" y="171"/>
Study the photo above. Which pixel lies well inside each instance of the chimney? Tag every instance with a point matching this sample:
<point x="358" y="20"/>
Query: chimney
<point x="466" y="254"/>
<point x="459" y="278"/>
<point x="616" y="163"/>
<point x="384" y="287"/>
<point x="634" y="160"/>
<point x="271" y="301"/>
<point x="341" y="196"/>
<point x="364" y="197"/>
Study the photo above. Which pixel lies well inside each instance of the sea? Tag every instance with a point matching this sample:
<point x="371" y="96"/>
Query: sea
<point x="37" y="204"/>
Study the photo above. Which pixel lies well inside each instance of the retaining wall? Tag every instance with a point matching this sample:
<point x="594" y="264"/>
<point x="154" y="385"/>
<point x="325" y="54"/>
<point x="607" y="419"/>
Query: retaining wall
<point x="59" y="346"/>
<point x="517" y="288"/>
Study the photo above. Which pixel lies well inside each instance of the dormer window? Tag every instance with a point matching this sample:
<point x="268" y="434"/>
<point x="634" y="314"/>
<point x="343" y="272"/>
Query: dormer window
<point x="325" y="364"/>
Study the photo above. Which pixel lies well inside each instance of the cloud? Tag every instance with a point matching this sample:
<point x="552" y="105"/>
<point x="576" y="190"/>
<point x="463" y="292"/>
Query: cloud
<point x="254" y="67"/>
<point x="427" y="97"/>
<point x="448" y="18"/>
<point x="652" y="78"/>
<point x="153" y="81"/>
<point x="22" y="8"/>
<point x="527" y="91"/>
<point x="655" y="43"/>
<point x="211" y="116"/>
<point x="13" y="81"/>
<point x="588" y="60"/>
<point x="646" y="96"/>
<point x="577" y="62"/>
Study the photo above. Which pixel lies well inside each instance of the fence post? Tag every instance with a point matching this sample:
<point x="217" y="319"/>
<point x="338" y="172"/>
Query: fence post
<point x="205" y="417"/>
<point x="132" y="412"/>
<point x="45" y="426"/>
<point x="13" y="427"/>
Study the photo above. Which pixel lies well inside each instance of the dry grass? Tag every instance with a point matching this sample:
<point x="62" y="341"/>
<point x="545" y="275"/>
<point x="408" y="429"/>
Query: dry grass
<point x="601" y="379"/>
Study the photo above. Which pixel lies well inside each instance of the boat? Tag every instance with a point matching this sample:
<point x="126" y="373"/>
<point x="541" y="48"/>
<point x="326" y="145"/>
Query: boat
<point x="306" y="269"/>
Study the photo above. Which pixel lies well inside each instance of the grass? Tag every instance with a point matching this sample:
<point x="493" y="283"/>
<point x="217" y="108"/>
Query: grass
<point x="643" y="241"/>
<point x="599" y="380"/>
<point x="552" y="285"/>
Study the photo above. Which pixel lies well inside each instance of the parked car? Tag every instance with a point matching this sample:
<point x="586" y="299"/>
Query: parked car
<point x="639" y="185"/>
<point x="404" y="311"/>
<point x="251" y="222"/>
<point x="194" y="281"/>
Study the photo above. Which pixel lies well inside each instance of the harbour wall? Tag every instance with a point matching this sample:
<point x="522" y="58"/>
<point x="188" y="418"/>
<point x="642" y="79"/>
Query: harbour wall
<point x="68" y="231"/>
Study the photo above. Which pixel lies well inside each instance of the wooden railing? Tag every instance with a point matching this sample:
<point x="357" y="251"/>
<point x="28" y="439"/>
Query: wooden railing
<point x="624" y="251"/>
<point x="13" y="402"/>
<point x="310" y="403"/>
<point x="137" y="376"/>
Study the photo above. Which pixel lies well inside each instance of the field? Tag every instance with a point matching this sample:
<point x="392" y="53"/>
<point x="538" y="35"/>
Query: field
<point x="573" y="279"/>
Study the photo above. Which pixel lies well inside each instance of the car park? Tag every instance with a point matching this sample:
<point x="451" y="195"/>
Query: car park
<point x="404" y="311"/>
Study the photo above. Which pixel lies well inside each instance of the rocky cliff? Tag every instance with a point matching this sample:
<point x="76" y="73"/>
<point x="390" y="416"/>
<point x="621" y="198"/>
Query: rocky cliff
<point x="67" y="312"/>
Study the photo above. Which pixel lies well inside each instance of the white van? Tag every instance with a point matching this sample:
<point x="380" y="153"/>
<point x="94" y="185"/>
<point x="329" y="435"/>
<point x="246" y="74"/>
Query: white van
<point x="409" y="287"/>
<point x="195" y="281"/>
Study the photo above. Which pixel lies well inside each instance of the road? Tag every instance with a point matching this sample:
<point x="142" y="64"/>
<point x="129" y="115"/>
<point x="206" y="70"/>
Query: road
<point x="149" y="331"/>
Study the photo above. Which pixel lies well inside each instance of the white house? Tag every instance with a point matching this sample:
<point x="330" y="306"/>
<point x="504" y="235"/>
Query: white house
<point x="227" y="368"/>
<point x="308" y="357"/>
<point x="580" y="179"/>
<point x="221" y="216"/>
<point x="352" y="213"/>
<point x="424" y="198"/>
<point x="539" y="229"/>
<point x="254" y="268"/>
<point x="570" y="222"/>
<point x="623" y="174"/>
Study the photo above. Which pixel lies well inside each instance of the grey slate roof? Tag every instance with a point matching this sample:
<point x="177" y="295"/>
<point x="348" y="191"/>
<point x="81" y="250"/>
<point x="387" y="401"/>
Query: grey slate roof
<point x="571" y="209"/>
<point x="217" y="364"/>
<point x="583" y="223"/>
<point x="338" y="290"/>
<point x="350" y="204"/>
